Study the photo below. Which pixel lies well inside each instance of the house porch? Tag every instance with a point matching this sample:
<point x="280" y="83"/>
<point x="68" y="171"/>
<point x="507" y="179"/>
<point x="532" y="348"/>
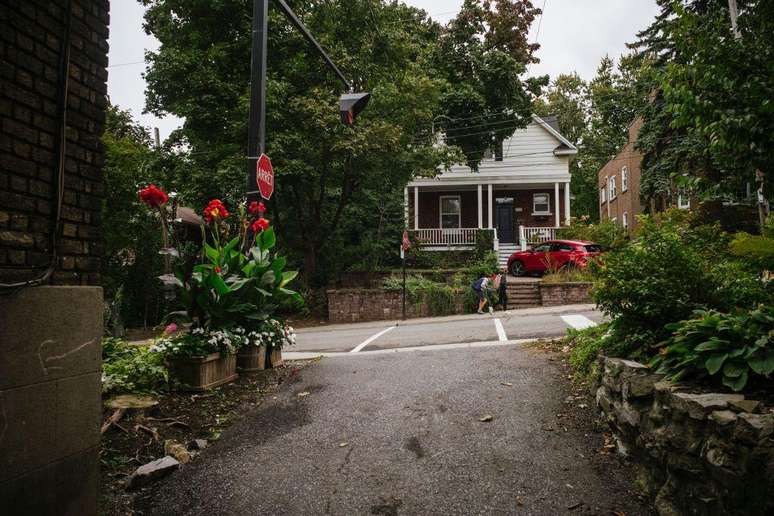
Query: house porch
<point x="443" y="216"/>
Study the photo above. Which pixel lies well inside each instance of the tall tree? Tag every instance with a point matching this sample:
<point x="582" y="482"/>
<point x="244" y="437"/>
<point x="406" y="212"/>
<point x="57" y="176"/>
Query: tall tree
<point x="709" y="123"/>
<point x="483" y="54"/>
<point x="201" y="72"/>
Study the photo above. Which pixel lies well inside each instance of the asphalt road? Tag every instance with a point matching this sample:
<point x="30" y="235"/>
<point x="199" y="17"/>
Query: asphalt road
<point x="400" y="433"/>
<point x="515" y="325"/>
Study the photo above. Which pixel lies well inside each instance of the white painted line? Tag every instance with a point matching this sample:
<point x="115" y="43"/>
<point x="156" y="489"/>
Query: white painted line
<point x="371" y="339"/>
<point x="579" y="322"/>
<point x="307" y="355"/>
<point x="500" y="330"/>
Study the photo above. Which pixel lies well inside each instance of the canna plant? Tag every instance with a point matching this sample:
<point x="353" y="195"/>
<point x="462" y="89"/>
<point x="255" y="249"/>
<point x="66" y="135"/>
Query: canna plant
<point x="729" y="347"/>
<point x="239" y="280"/>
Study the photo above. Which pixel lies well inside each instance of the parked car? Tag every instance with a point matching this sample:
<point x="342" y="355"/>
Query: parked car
<point x="553" y="255"/>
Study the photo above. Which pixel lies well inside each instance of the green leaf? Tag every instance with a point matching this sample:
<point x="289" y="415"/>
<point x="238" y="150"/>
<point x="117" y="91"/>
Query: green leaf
<point x="217" y="282"/>
<point x="267" y="239"/>
<point x="762" y="365"/>
<point x="268" y="278"/>
<point x="711" y="345"/>
<point x="287" y="277"/>
<point x="715" y="362"/>
<point x="734" y="369"/>
<point x="211" y="252"/>
<point x="736" y="383"/>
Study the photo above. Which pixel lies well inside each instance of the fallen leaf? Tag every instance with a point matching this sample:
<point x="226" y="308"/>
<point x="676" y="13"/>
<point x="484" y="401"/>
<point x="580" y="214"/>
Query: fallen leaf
<point x="574" y="506"/>
<point x="507" y="384"/>
<point x="519" y="501"/>
<point x="485" y="419"/>
<point x="302" y="394"/>
<point x="343" y="445"/>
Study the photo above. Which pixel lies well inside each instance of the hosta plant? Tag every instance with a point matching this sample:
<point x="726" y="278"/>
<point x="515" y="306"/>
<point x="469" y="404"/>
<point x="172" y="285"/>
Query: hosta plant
<point x="732" y="348"/>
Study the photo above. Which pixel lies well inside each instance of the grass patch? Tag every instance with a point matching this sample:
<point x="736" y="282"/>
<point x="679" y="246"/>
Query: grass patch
<point x="586" y="345"/>
<point x="568" y="276"/>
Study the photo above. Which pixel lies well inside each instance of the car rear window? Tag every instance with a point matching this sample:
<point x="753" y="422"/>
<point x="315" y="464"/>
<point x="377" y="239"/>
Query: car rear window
<point x="594" y="248"/>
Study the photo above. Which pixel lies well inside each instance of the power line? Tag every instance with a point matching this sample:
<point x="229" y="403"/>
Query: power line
<point x="125" y="64"/>
<point x="540" y="21"/>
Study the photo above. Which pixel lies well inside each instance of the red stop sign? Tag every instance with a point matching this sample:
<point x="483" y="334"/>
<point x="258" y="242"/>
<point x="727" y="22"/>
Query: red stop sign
<point x="264" y="176"/>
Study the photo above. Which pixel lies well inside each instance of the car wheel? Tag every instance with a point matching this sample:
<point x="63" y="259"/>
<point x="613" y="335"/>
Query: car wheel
<point x="517" y="268"/>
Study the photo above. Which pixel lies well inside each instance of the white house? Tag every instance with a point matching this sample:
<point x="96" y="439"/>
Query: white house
<point x="523" y="197"/>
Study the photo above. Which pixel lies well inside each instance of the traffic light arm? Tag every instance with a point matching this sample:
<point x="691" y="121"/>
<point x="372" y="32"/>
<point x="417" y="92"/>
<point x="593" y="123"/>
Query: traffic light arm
<point x="300" y="26"/>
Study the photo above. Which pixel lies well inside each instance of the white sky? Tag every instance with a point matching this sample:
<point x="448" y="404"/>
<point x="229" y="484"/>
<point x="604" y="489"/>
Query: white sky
<point x="574" y="35"/>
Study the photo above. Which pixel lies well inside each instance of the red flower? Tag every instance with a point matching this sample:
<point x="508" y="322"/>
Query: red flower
<point x="215" y="210"/>
<point x="217" y="269"/>
<point x="259" y="225"/>
<point x="153" y="196"/>
<point x="256" y="208"/>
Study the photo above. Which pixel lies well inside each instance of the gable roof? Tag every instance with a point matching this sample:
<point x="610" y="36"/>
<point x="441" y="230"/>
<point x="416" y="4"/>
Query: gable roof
<point x="551" y="125"/>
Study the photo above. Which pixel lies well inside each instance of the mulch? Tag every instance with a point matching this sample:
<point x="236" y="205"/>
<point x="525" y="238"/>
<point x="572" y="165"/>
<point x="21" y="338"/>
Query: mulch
<point x="181" y="416"/>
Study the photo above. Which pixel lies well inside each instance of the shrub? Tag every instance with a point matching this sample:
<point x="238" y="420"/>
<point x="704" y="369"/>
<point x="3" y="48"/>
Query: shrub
<point x="486" y="266"/>
<point x="129" y="368"/>
<point x="731" y="347"/>
<point x="656" y="280"/>
<point x="439" y="297"/>
<point x="586" y="345"/>
<point x="606" y="233"/>
<point x="568" y="275"/>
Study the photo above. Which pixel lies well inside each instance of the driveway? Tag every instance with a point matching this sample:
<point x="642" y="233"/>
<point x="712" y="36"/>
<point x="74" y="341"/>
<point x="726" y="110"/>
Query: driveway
<point x="401" y="433"/>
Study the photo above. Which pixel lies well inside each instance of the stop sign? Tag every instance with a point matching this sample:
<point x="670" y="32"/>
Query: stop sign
<point x="264" y="176"/>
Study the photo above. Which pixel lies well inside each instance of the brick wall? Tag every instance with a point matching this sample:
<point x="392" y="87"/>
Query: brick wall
<point x="30" y="47"/>
<point x="557" y="294"/>
<point x="358" y="305"/>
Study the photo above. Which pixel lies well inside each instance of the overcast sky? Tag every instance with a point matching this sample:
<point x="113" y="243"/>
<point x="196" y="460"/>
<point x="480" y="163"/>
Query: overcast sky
<point x="574" y="35"/>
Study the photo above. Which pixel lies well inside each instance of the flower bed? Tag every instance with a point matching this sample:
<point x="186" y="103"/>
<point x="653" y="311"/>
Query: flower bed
<point x="228" y="297"/>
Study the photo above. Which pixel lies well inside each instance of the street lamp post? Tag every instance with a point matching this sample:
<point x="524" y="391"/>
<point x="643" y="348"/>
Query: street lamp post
<point x="350" y="104"/>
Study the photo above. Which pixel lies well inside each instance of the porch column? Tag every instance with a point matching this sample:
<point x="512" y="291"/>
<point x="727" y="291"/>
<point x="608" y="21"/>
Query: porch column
<point x="405" y="208"/>
<point x="480" y="209"/>
<point x="416" y="207"/>
<point x="567" y="203"/>
<point x="556" y="204"/>
<point x="489" y="205"/>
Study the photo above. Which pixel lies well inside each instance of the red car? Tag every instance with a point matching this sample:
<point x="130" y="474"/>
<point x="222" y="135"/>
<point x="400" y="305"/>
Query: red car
<point x="552" y="255"/>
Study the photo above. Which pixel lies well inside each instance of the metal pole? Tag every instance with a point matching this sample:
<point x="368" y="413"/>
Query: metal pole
<point x="256" y="131"/>
<point x="403" y="255"/>
<point x="301" y="27"/>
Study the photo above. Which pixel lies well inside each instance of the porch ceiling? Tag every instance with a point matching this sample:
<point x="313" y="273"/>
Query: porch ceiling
<point x="446" y="187"/>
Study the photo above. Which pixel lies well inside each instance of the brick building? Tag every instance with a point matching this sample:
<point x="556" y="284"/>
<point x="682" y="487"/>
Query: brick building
<point x="52" y="103"/>
<point x="618" y="184"/>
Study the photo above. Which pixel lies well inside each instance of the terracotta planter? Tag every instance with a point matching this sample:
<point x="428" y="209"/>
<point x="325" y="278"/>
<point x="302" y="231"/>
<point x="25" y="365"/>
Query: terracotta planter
<point x="275" y="357"/>
<point x="202" y="373"/>
<point x="251" y="359"/>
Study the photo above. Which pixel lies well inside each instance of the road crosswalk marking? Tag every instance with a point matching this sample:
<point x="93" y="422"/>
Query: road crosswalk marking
<point x="500" y="330"/>
<point x="371" y="339"/>
<point x="578" y="322"/>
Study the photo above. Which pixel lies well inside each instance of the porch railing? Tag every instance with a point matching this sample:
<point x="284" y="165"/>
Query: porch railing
<point x="461" y="237"/>
<point x="535" y="235"/>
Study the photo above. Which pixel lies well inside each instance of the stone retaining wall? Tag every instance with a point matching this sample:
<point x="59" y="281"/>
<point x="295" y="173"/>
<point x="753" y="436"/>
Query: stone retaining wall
<point x="554" y="294"/>
<point x="359" y="304"/>
<point x="709" y="453"/>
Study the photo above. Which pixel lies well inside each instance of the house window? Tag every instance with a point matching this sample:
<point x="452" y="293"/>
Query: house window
<point x="541" y="204"/>
<point x="624" y="179"/>
<point x="625" y="220"/>
<point x="683" y="200"/>
<point x="612" y="192"/>
<point x="450" y="211"/>
<point x="602" y="195"/>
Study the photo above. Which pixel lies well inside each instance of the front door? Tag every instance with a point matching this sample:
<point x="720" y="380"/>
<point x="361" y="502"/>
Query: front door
<point x="505" y="222"/>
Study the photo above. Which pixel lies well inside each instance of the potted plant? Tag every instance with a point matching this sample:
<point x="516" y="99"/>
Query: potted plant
<point x="262" y="346"/>
<point x="200" y="360"/>
<point x="236" y="286"/>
